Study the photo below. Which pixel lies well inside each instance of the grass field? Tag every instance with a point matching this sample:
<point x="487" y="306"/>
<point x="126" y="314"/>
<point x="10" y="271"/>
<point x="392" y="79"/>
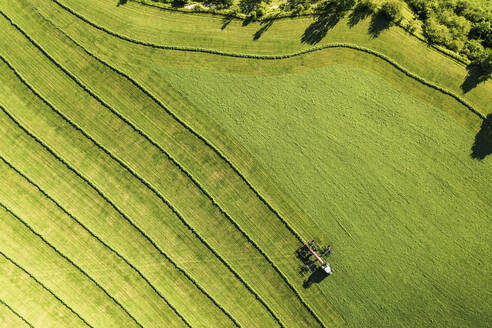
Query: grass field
<point x="149" y="187"/>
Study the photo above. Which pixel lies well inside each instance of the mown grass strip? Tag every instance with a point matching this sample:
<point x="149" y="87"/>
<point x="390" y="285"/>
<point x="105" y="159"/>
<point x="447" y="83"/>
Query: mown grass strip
<point x="18" y="315"/>
<point x="187" y="174"/>
<point x="194" y="282"/>
<point x="95" y="237"/>
<point x="297" y="235"/>
<point x="276" y="57"/>
<point x="150" y="187"/>
<point x="54" y="248"/>
<point x="144" y="182"/>
<point x="41" y="284"/>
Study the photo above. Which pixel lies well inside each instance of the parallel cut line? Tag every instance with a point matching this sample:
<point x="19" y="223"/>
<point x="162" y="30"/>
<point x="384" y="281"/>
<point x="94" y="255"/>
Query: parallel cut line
<point x="46" y="288"/>
<point x="94" y="236"/>
<point x="191" y="178"/>
<point x="18" y="315"/>
<point x="60" y="253"/>
<point x="107" y="200"/>
<point x="277" y="57"/>
<point x="128" y="169"/>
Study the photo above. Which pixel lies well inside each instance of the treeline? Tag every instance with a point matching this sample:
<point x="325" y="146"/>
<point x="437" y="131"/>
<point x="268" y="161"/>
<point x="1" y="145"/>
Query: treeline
<point x="459" y="26"/>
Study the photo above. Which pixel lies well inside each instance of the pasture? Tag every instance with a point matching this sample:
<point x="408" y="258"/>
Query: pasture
<point x="159" y="169"/>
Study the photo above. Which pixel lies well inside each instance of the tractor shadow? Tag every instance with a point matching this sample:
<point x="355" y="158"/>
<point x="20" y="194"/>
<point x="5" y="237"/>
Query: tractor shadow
<point x="482" y="147"/>
<point x="315" y="278"/>
<point x="475" y="77"/>
<point x="121" y="2"/>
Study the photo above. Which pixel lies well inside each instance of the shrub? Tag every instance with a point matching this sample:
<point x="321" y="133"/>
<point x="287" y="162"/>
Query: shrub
<point x="435" y="32"/>
<point x="411" y="25"/>
<point x="198" y="7"/>
<point x="249" y="6"/>
<point x="423" y="8"/>
<point x="473" y="49"/>
<point x="391" y="10"/>
<point x="485" y="62"/>
<point x="481" y="30"/>
<point x="221" y="4"/>
<point x="456" y="45"/>
<point x="367" y="6"/>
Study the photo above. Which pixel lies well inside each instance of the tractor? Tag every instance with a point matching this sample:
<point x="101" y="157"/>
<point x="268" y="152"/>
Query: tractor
<point x="311" y="265"/>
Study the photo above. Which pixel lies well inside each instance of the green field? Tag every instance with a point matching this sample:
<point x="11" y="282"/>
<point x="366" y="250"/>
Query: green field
<point x="160" y="169"/>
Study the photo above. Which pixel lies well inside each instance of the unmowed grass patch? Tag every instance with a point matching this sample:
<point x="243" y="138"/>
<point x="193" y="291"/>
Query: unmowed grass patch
<point x="389" y="178"/>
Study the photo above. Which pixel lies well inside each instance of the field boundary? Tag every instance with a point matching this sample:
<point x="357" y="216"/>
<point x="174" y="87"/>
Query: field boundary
<point x="18" y="315"/>
<point x="94" y="236"/>
<point x="70" y="261"/>
<point x="104" y="197"/>
<point x="199" y="136"/>
<point x="278" y="57"/>
<point x="122" y="164"/>
<point x="198" y="185"/>
<point x="275" y="17"/>
<point x="42" y="285"/>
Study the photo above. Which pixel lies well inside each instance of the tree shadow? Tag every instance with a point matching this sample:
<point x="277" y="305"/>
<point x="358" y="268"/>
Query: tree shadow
<point x="121" y="2"/>
<point x="248" y="20"/>
<point x="475" y="76"/>
<point x="378" y="24"/>
<point x="329" y="16"/>
<point x="266" y="25"/>
<point x="315" y="278"/>
<point x="360" y="12"/>
<point x="482" y="147"/>
<point x="226" y="21"/>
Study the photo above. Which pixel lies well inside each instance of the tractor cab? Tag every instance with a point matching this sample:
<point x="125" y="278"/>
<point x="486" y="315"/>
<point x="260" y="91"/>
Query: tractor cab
<point x="327" y="268"/>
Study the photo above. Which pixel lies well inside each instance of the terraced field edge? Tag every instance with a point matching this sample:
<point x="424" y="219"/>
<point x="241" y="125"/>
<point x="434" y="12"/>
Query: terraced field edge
<point x="279" y="57"/>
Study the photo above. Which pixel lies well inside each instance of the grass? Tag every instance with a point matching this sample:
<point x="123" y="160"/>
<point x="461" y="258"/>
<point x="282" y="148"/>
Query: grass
<point x="262" y="279"/>
<point x="193" y="157"/>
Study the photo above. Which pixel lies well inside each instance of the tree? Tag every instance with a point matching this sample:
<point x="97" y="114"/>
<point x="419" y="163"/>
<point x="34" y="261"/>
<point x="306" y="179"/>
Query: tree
<point x="485" y="62"/>
<point x="391" y="10"/>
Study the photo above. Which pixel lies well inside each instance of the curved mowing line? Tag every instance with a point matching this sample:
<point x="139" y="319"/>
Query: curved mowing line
<point x="61" y="254"/>
<point x="161" y="252"/>
<point x="46" y="288"/>
<point x="15" y="313"/>
<point x="94" y="236"/>
<point x="209" y="144"/>
<point x="200" y="187"/>
<point x="181" y="122"/>
<point x="144" y="182"/>
<point x="436" y="47"/>
<point x="275" y="57"/>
